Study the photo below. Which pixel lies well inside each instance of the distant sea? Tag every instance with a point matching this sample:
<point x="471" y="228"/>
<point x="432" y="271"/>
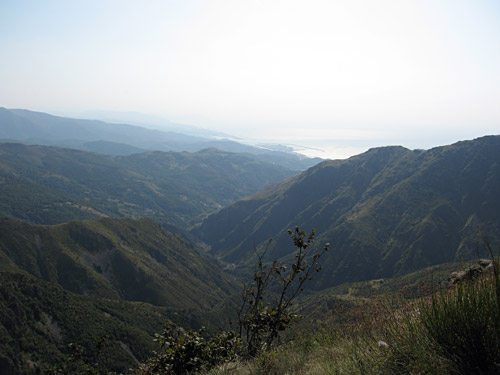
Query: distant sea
<point x="328" y="149"/>
<point x="344" y="148"/>
<point x="324" y="148"/>
<point x="344" y="143"/>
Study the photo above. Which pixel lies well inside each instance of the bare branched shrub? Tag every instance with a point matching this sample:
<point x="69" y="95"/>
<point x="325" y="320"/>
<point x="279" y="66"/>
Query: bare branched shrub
<point x="266" y="307"/>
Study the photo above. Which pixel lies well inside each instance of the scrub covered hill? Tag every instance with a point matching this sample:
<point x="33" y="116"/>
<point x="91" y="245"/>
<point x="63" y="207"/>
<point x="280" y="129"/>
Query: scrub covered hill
<point x="386" y="212"/>
<point x="39" y="319"/>
<point x="49" y="185"/>
<point x="127" y="259"/>
<point x="80" y="281"/>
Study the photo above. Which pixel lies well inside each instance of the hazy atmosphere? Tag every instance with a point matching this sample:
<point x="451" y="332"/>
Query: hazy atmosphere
<point x="336" y="76"/>
<point x="219" y="187"/>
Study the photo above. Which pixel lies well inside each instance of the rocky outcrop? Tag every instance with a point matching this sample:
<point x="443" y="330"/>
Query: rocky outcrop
<point x="471" y="272"/>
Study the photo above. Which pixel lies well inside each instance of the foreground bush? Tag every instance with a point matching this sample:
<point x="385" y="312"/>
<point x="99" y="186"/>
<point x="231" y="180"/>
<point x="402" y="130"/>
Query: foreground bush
<point x="188" y="352"/>
<point x="464" y="325"/>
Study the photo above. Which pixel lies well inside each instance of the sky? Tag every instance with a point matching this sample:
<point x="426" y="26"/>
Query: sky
<point x="334" y="77"/>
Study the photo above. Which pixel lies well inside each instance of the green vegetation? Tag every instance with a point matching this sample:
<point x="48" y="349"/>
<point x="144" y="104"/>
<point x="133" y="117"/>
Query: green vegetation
<point x="83" y="280"/>
<point x="387" y="212"/>
<point x="267" y="301"/>
<point x="39" y="320"/>
<point x="183" y="353"/>
<point x="451" y="331"/>
<point x="263" y="316"/>
<point x="464" y="325"/>
<point x="135" y="260"/>
<point x="365" y="329"/>
<point x="49" y="185"/>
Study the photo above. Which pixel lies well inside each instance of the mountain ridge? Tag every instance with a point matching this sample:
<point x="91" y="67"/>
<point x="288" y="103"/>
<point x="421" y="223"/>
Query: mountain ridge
<point x="41" y="128"/>
<point x="48" y="185"/>
<point x="128" y="259"/>
<point x="382" y="211"/>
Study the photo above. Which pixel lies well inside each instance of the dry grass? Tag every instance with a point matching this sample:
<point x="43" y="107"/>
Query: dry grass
<point x="453" y="331"/>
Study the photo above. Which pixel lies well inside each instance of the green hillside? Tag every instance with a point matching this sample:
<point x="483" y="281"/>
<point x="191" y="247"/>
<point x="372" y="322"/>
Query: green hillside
<point x="125" y="259"/>
<point x="49" y="185"/>
<point x="83" y="280"/>
<point x="39" y="319"/>
<point x="386" y="212"/>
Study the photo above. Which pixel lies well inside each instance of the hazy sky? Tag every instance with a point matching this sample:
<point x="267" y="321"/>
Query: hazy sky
<point x="418" y="73"/>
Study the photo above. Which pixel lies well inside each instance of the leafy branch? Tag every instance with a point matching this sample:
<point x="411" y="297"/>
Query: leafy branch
<point x="266" y="301"/>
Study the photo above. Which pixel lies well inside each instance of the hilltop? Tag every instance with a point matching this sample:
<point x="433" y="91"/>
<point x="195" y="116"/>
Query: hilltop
<point x="386" y="212"/>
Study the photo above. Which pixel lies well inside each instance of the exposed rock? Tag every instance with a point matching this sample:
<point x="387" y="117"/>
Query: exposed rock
<point x="382" y="344"/>
<point x="471" y="272"/>
<point x="50" y="327"/>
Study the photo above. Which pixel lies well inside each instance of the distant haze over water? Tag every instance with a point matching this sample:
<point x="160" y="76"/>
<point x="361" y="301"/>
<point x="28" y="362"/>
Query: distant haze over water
<point x="339" y="148"/>
<point x="309" y="140"/>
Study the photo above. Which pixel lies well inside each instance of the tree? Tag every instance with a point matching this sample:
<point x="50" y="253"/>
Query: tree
<point x="266" y="301"/>
<point x="265" y="313"/>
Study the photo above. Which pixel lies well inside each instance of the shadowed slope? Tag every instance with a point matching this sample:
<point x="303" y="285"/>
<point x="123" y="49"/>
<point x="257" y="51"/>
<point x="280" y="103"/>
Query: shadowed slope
<point x="386" y="212"/>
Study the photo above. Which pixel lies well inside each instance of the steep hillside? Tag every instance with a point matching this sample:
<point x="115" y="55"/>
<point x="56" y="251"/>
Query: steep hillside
<point x="386" y="212"/>
<point x="49" y="185"/>
<point x="134" y="260"/>
<point x="39" y="319"/>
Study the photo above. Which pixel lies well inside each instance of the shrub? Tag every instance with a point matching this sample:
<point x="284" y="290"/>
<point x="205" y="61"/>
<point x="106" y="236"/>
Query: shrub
<point x="266" y="308"/>
<point x="409" y="349"/>
<point x="464" y="324"/>
<point x="188" y="352"/>
<point x="88" y="362"/>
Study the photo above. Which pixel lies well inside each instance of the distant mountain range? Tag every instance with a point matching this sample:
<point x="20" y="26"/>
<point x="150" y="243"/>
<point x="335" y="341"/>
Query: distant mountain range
<point x="48" y="185"/>
<point x="148" y="121"/>
<point x="386" y="212"/>
<point x="39" y="128"/>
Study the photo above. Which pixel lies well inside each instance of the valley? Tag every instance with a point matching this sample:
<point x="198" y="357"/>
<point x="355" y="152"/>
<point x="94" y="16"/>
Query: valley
<point x="386" y="212"/>
<point x="48" y="185"/>
<point x="113" y="234"/>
